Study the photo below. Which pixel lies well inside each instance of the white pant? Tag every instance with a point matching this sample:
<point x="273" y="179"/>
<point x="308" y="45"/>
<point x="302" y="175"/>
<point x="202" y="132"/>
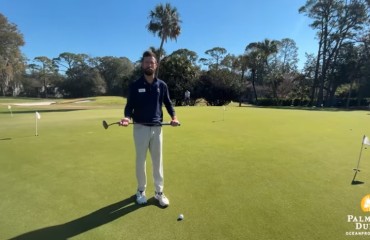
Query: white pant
<point x="148" y="138"/>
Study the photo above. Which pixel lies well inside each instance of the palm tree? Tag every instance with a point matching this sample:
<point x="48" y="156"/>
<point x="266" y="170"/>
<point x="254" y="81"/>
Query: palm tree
<point x="265" y="49"/>
<point x="259" y="53"/>
<point x="165" y="22"/>
<point x="253" y="65"/>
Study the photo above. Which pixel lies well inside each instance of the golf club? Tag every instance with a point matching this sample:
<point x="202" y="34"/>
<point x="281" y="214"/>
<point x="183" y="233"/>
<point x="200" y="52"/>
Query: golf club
<point x="106" y="125"/>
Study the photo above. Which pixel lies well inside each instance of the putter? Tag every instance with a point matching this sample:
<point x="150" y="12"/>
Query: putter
<point x="106" y="125"/>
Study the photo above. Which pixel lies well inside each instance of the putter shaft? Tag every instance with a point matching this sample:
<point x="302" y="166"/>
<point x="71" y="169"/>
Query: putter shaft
<point x="106" y="125"/>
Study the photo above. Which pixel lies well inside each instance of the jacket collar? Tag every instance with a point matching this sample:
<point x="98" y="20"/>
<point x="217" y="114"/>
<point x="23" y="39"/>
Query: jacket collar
<point x="145" y="82"/>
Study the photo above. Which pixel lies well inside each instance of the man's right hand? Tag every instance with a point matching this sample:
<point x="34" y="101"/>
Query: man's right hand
<point x="124" y="122"/>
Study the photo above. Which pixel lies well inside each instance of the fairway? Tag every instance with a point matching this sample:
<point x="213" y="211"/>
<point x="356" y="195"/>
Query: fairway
<point x="234" y="173"/>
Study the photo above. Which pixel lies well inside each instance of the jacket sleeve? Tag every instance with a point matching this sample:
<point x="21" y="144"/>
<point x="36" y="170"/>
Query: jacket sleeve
<point x="130" y="101"/>
<point x="167" y="101"/>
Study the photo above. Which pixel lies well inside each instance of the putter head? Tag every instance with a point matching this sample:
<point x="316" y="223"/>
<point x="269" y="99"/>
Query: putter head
<point x="105" y="124"/>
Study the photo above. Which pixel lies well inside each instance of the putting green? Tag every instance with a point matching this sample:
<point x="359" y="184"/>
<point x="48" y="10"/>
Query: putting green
<point x="238" y="173"/>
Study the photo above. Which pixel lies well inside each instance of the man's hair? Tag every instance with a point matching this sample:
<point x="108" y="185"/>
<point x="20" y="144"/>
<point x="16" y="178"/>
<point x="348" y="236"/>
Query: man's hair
<point x="149" y="54"/>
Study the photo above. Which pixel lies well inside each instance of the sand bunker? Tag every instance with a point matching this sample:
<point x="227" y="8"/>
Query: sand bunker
<point x="33" y="104"/>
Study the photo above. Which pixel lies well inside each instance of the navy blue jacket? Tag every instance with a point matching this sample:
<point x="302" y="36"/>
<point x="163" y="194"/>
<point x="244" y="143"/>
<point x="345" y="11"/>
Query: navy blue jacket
<point x="144" y="102"/>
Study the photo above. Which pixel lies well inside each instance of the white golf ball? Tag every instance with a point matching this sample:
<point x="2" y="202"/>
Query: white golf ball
<point x="181" y="217"/>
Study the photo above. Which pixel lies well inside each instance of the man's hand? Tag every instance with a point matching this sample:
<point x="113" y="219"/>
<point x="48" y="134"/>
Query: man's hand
<point x="175" y="122"/>
<point x="124" y="122"/>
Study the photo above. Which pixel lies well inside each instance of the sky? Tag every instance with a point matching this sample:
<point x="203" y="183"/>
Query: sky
<point x="118" y="27"/>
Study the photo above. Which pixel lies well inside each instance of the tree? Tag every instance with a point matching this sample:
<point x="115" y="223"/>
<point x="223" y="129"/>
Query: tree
<point x="165" y="22"/>
<point x="259" y="55"/>
<point x="83" y="78"/>
<point x="217" y="54"/>
<point x="288" y="55"/>
<point x="11" y="59"/>
<point x="337" y="22"/>
<point x="67" y="61"/>
<point x="218" y="87"/>
<point x="253" y="65"/>
<point x="307" y="80"/>
<point x="116" y="73"/>
<point x="240" y="66"/>
<point x="363" y="67"/>
<point x="265" y="49"/>
<point x="46" y="71"/>
<point x="282" y="69"/>
<point x="83" y="81"/>
<point x="181" y="73"/>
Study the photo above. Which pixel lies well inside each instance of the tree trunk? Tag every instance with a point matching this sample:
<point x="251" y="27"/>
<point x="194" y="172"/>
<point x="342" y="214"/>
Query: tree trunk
<point x="159" y="57"/>
<point x="241" y="80"/>
<point x="316" y="77"/>
<point x="325" y="37"/>
<point x="349" y="93"/>
<point x="253" y="84"/>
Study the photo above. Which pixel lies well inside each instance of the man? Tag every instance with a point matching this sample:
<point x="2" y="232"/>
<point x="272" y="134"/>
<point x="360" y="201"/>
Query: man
<point x="144" y="107"/>
<point x="187" y="97"/>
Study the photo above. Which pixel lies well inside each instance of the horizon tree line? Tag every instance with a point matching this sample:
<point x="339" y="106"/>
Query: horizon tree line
<point x="266" y="73"/>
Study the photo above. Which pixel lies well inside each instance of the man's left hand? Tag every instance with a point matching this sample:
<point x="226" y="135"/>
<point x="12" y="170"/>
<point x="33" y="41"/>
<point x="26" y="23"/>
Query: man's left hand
<point x="175" y="123"/>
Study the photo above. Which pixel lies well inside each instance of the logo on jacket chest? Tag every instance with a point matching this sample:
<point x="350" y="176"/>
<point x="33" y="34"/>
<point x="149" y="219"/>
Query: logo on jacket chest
<point x="143" y="90"/>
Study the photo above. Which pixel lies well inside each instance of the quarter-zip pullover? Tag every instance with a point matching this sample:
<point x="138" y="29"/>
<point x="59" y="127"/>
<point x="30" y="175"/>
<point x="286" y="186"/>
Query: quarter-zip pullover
<point x="145" y="101"/>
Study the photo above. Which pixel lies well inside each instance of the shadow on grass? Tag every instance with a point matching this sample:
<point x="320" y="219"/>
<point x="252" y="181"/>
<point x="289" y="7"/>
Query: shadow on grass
<point x="45" y="110"/>
<point x="215" y="121"/>
<point x="83" y="224"/>
<point x="20" y="137"/>
<point x="324" y="109"/>
<point x="355" y="182"/>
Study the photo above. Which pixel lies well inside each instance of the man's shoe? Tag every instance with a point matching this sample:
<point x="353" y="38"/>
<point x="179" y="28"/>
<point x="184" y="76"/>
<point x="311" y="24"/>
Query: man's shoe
<point x="140" y="197"/>
<point x="162" y="199"/>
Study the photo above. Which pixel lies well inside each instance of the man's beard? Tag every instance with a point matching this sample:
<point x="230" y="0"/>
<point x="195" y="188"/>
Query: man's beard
<point x="149" y="71"/>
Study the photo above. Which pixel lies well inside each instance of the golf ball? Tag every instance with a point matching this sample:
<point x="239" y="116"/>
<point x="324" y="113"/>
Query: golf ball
<point x="181" y="217"/>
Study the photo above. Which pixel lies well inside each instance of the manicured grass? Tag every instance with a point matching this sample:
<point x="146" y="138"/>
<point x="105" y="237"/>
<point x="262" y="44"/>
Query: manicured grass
<point x="242" y="173"/>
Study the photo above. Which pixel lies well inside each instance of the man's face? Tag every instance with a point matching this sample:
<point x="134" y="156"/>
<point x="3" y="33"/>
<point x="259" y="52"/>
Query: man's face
<point x="149" y="65"/>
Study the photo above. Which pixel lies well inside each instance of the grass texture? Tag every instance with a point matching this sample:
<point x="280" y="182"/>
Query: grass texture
<point x="235" y="173"/>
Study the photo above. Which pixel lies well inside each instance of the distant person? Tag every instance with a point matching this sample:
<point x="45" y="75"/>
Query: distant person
<point x="144" y="107"/>
<point x="187" y="97"/>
